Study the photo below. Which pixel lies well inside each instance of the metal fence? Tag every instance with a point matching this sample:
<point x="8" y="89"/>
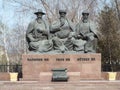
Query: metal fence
<point x="12" y="68"/>
<point x="109" y="67"/>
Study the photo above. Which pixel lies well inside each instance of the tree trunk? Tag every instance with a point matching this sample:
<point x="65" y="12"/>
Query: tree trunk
<point x="118" y="10"/>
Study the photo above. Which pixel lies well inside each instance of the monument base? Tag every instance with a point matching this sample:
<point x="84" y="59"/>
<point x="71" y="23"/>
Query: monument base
<point x="79" y="66"/>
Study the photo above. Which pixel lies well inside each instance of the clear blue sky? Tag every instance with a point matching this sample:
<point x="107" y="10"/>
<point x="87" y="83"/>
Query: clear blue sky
<point x="6" y="12"/>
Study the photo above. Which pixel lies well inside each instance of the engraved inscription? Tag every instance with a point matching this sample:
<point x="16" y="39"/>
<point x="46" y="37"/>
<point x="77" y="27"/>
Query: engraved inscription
<point x="62" y="59"/>
<point x="37" y="59"/>
<point x="85" y="59"/>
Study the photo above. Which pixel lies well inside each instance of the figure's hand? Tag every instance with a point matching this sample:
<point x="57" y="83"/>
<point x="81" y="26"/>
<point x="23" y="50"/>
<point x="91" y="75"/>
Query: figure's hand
<point x="72" y="34"/>
<point x="39" y="31"/>
<point x="44" y="32"/>
<point x="89" y="38"/>
<point x="85" y="38"/>
<point x="35" y="40"/>
<point x="78" y="37"/>
<point x="30" y="36"/>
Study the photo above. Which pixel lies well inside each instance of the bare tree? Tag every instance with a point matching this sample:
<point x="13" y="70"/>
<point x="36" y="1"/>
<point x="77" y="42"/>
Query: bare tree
<point x="109" y="44"/>
<point x="118" y="10"/>
<point x="3" y="30"/>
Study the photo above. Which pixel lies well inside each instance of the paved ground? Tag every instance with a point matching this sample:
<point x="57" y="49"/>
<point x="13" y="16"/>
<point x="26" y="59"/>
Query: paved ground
<point x="82" y="85"/>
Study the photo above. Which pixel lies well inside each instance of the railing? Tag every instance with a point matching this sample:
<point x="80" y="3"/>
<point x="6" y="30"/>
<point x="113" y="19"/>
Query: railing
<point x="12" y="68"/>
<point x="109" y="67"/>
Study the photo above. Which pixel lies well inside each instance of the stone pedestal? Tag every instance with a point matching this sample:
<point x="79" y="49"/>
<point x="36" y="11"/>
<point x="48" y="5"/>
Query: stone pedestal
<point x="79" y="66"/>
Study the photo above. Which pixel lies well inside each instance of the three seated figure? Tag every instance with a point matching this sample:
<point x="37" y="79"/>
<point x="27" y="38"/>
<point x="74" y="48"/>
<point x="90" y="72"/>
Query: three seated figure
<point x="87" y="31"/>
<point x="61" y="30"/>
<point x="37" y="34"/>
<point x="61" y="36"/>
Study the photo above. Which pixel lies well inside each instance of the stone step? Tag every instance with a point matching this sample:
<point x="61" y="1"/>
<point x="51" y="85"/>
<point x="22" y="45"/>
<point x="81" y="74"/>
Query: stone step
<point x="81" y="85"/>
<point x="60" y="83"/>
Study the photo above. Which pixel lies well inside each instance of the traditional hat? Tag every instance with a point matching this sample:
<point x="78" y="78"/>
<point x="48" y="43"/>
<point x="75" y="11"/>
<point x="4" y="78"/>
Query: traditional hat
<point x="85" y="12"/>
<point x="62" y="11"/>
<point x="39" y="11"/>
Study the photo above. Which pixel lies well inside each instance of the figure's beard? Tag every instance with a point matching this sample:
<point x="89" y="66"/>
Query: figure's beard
<point x="62" y="16"/>
<point x="39" y="20"/>
<point x="39" y="17"/>
<point x="85" y="20"/>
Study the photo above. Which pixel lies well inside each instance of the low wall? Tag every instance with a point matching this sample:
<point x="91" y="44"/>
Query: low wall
<point x="4" y="76"/>
<point x="118" y="76"/>
<point x="105" y="76"/>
